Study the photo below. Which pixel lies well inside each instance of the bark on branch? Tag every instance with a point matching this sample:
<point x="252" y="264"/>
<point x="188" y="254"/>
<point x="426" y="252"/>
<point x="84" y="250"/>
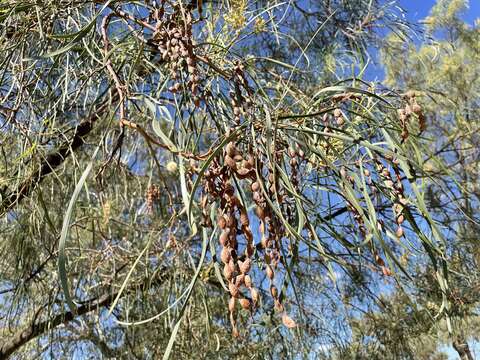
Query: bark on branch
<point x="54" y="159"/>
<point x="23" y="336"/>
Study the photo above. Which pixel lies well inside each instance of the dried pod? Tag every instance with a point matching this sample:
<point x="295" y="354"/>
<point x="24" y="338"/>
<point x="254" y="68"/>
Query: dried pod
<point x="223" y="238"/>
<point x="235" y="332"/>
<point x="251" y="160"/>
<point x="230" y="162"/>
<point x="288" y="321"/>
<point x="399" y="232"/>
<point x="337" y="113"/>
<point x="230" y="149"/>
<point x="248" y="281"/>
<point x="255" y="295"/>
<point x="227" y="272"/>
<point x="225" y="255"/>
<point x="274" y="291"/>
<point x="245" y="266"/>
<point x="270" y="272"/>
<point x="243" y="173"/>
<point x="244" y="218"/>
<point x="221" y="222"/>
<point x="239" y="280"/>
<point x="417" y="109"/>
<point x="400" y="219"/>
<point x="231" y="304"/>
<point x="245" y="303"/>
<point x="255" y="186"/>
<point x="257" y="196"/>
<point x="234" y="291"/>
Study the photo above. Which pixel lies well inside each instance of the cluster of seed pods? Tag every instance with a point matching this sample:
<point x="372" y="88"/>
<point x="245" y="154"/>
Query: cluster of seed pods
<point x="240" y="96"/>
<point x="153" y="194"/>
<point x="173" y="36"/>
<point x="233" y="221"/>
<point x="411" y="109"/>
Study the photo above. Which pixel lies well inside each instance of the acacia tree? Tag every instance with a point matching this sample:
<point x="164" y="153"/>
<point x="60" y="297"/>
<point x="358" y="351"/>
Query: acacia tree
<point x="183" y="176"/>
<point x="444" y="72"/>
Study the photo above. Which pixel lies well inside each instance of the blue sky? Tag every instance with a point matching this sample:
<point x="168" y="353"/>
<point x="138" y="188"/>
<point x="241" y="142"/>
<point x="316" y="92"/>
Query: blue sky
<point x="419" y="9"/>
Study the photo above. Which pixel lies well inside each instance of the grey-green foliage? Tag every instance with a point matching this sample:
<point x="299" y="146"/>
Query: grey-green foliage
<point x="135" y="237"/>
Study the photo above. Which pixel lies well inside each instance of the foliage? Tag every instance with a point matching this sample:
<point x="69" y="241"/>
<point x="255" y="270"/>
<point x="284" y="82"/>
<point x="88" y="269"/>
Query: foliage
<point x="175" y="173"/>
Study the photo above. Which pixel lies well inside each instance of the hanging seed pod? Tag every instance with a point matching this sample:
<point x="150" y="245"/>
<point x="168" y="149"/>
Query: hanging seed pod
<point x="248" y="281"/>
<point x="400" y="219"/>
<point x="245" y="266"/>
<point x="221" y="222"/>
<point x="228" y="272"/>
<point x="288" y="321"/>
<point x="239" y="280"/>
<point x="244" y="218"/>
<point x="223" y="238"/>
<point x="399" y="232"/>
<point x="243" y="173"/>
<point x="270" y="272"/>
<point x="416" y="109"/>
<point x="255" y="186"/>
<point x="230" y="162"/>
<point x="274" y="291"/>
<point x="234" y="291"/>
<point x="230" y="149"/>
<point x="225" y="255"/>
<point x="231" y="305"/>
<point x="255" y="295"/>
<point x="245" y="303"/>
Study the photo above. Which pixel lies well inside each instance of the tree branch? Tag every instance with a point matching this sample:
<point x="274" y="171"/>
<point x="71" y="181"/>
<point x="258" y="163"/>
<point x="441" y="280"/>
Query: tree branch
<point x="20" y="338"/>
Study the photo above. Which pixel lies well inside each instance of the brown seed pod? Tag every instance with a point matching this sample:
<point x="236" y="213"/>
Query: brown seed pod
<point x="400" y="219"/>
<point x="274" y="291"/>
<point x="231" y="304"/>
<point x="221" y="222"/>
<point x="230" y="149"/>
<point x="255" y="295"/>
<point x="245" y="303"/>
<point x="245" y="266"/>
<point x="230" y="162"/>
<point x="227" y="272"/>
<point x="270" y="272"/>
<point x="255" y="186"/>
<point x="288" y="321"/>
<point x="257" y="196"/>
<point x="235" y="332"/>
<point x="248" y="281"/>
<point x="243" y="173"/>
<point x="244" y="218"/>
<point x="223" y="238"/>
<point x="239" y="280"/>
<point x="399" y="232"/>
<point x="417" y="109"/>
<point x="225" y="255"/>
<point x="234" y="291"/>
<point x="337" y="113"/>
